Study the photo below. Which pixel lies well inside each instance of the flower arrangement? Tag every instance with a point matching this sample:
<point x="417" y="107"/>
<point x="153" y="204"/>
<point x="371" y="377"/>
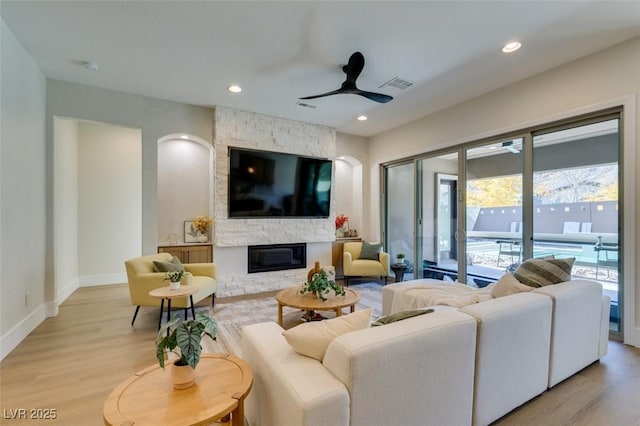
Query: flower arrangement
<point x="202" y="224"/>
<point x="341" y="220"/>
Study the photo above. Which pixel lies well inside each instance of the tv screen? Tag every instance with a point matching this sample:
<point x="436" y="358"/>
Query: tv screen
<point x="271" y="184"/>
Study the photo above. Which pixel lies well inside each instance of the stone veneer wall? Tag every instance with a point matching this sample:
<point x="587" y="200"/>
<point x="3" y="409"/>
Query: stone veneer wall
<point x="232" y="236"/>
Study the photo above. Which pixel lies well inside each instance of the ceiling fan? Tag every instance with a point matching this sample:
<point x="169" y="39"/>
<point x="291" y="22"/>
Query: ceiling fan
<point x="353" y="70"/>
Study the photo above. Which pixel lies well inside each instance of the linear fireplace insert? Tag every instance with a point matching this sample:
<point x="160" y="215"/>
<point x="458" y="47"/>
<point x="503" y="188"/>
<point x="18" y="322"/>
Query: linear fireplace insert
<point x="277" y="257"/>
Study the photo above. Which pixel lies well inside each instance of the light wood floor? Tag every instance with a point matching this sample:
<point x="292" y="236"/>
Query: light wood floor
<point x="73" y="361"/>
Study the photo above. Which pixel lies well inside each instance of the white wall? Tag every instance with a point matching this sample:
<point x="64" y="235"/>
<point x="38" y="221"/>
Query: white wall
<point x="604" y="79"/>
<point x="23" y="193"/>
<point x="355" y="151"/>
<point x="109" y="201"/>
<point x="184" y="189"/>
<point x="65" y="208"/>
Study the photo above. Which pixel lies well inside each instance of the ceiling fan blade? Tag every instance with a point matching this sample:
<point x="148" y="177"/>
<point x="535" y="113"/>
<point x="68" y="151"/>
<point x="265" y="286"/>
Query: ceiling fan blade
<point x="377" y="97"/>
<point x="354" y="67"/>
<point x="333" y="92"/>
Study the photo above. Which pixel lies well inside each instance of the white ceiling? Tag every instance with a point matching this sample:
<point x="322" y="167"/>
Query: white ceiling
<point x="278" y="51"/>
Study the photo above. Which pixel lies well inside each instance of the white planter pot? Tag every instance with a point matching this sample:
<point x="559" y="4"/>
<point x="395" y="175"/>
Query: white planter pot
<point x="174" y="286"/>
<point x="400" y="261"/>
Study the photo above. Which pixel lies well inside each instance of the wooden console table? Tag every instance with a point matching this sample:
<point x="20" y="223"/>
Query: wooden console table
<point x="189" y="252"/>
<point x="148" y="397"/>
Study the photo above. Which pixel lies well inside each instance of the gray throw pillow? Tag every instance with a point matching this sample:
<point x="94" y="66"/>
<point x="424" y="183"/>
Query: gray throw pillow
<point x="173" y="265"/>
<point x="399" y="316"/>
<point x="370" y="251"/>
<point x="541" y="272"/>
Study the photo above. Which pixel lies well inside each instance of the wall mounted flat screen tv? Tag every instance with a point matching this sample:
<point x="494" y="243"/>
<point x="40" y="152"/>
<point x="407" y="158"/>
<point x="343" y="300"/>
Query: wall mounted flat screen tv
<point x="273" y="184"/>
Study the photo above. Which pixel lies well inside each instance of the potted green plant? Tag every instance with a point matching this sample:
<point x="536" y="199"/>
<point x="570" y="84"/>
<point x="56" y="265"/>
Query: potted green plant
<point x="174" y="278"/>
<point x="183" y="338"/>
<point x="400" y="258"/>
<point x="320" y="285"/>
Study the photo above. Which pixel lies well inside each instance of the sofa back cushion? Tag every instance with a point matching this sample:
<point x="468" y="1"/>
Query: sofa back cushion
<point x="388" y="370"/>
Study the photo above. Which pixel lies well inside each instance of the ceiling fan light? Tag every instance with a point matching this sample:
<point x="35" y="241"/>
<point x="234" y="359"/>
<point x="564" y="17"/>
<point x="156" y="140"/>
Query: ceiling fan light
<point x="511" y="46"/>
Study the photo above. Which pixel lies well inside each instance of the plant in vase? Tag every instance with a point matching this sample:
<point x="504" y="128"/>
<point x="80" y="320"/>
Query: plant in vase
<point x="400" y="258"/>
<point x="320" y="285"/>
<point x="201" y="225"/>
<point x="174" y="278"/>
<point x="183" y="339"/>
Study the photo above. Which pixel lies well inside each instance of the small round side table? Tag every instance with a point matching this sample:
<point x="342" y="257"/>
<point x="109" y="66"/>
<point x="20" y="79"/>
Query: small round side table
<point x="399" y="269"/>
<point x="168" y="294"/>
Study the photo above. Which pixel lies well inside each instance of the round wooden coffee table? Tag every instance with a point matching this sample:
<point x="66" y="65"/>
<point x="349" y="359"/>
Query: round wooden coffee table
<point x="148" y="397"/>
<point x="292" y="298"/>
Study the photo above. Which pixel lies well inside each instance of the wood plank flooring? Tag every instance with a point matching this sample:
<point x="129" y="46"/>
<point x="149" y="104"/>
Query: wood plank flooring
<point x="72" y="362"/>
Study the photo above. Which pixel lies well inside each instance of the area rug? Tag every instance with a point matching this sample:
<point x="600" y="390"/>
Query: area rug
<point x="233" y="315"/>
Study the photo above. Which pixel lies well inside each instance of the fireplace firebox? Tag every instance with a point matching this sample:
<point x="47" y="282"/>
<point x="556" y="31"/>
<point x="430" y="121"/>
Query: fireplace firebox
<point x="277" y="257"/>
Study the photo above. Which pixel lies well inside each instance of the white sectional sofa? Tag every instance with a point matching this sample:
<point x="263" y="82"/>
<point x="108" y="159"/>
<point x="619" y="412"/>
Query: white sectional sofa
<point x="415" y="372"/>
<point x="569" y="334"/>
<point x="455" y="366"/>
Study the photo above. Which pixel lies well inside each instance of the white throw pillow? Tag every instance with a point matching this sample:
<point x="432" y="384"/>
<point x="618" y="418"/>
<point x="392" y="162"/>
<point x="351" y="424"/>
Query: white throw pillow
<point x="313" y="338"/>
<point x="508" y="284"/>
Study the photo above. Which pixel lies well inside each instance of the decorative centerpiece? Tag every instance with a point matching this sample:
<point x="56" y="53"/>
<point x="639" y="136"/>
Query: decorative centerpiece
<point x="183" y="339"/>
<point x="319" y="284"/>
<point x="342" y="225"/>
<point x="400" y="258"/>
<point x="174" y="278"/>
<point x="202" y="225"/>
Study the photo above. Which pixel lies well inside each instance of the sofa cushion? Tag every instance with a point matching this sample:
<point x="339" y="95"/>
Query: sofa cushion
<point x="508" y="285"/>
<point x="542" y="272"/>
<point x="370" y="251"/>
<point x="313" y="338"/>
<point x="172" y="265"/>
<point x="399" y="316"/>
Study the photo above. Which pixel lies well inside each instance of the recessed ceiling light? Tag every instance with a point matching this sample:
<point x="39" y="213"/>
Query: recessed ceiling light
<point x="184" y="137"/>
<point x="511" y="46"/>
<point x="234" y="88"/>
<point x="362" y="118"/>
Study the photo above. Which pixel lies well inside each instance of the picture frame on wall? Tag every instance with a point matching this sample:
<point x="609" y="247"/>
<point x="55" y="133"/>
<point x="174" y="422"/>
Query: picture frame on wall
<point x="190" y="232"/>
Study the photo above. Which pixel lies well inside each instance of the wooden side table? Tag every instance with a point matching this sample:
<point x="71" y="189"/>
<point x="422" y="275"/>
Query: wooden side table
<point x="308" y="302"/>
<point x="148" y="398"/>
<point x="168" y="294"/>
<point x="398" y="270"/>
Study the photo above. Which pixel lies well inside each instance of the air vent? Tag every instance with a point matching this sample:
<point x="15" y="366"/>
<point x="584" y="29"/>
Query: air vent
<point x="397" y="83"/>
<point x="305" y="105"/>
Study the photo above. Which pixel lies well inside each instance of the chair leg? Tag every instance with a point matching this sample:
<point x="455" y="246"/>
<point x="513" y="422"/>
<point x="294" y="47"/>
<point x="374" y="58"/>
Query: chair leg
<point x="186" y="314"/>
<point x="213" y="300"/>
<point x="346" y="281"/>
<point x="135" y="314"/>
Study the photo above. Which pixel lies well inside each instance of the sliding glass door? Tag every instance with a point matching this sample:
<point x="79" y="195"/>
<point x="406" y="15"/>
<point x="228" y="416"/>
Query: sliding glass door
<point x="472" y="212"/>
<point x="494" y="176"/>
<point x="400" y="218"/>
<point x="576" y="208"/>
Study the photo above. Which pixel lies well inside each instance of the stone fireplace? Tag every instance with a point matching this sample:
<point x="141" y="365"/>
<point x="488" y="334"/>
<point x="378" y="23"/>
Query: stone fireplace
<point x="233" y="238"/>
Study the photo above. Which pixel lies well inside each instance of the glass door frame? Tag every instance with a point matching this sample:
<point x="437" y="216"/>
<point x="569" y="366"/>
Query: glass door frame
<point x="527" y="202"/>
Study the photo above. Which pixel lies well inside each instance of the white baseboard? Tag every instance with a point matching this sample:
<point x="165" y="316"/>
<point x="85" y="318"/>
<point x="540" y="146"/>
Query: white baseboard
<point x="65" y="292"/>
<point x="103" y="279"/>
<point x="632" y="336"/>
<point x="13" y="337"/>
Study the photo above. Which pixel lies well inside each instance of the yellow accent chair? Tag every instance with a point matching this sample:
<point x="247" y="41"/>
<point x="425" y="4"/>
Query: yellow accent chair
<point x="142" y="279"/>
<point x="353" y="266"/>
